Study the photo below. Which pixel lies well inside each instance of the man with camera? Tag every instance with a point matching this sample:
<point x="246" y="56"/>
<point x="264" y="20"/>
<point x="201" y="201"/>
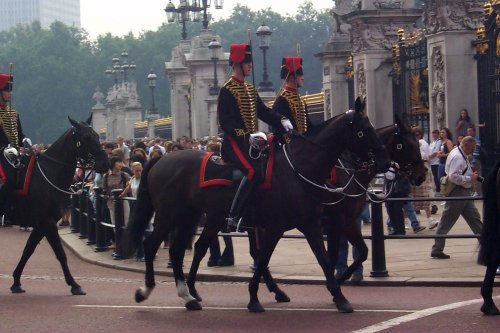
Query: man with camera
<point x="461" y="174"/>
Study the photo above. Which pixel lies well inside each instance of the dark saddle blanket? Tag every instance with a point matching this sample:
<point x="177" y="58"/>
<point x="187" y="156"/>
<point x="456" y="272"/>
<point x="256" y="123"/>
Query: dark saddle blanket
<point x="23" y="174"/>
<point x="214" y="172"/>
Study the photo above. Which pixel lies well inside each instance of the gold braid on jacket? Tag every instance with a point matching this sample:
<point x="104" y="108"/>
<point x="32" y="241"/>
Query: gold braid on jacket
<point x="297" y="108"/>
<point x="8" y="122"/>
<point x="244" y="93"/>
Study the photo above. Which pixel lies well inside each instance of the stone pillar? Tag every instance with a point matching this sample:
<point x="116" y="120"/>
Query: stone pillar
<point x="98" y="111"/>
<point x="201" y="67"/>
<point x="213" y="122"/>
<point x="452" y="29"/>
<point x="180" y="85"/>
<point x="334" y="59"/>
<point x="374" y="30"/>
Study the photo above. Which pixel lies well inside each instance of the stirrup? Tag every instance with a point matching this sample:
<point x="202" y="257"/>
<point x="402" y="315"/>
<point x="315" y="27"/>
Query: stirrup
<point x="234" y="224"/>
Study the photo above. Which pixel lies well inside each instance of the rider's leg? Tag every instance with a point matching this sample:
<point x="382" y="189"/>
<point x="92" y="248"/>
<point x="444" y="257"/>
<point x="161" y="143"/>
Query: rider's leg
<point x="240" y="199"/>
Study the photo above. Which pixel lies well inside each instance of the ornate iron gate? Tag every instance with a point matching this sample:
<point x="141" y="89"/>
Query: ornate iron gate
<point x="410" y="80"/>
<point x="488" y="67"/>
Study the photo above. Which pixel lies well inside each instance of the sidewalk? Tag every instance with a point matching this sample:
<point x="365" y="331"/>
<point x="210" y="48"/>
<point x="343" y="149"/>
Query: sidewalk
<point x="408" y="261"/>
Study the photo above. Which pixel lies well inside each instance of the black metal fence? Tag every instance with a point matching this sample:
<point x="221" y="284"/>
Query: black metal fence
<point x="90" y="218"/>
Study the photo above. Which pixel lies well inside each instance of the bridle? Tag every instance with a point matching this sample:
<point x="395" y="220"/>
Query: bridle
<point x="324" y="187"/>
<point x="84" y="158"/>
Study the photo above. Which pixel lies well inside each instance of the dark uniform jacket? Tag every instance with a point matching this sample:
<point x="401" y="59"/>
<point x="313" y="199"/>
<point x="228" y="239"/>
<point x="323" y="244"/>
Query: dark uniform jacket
<point x="290" y="105"/>
<point x="10" y="128"/>
<point x="238" y="109"/>
<point x="10" y="133"/>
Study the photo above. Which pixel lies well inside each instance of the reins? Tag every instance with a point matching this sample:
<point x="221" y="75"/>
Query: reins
<point x="85" y="164"/>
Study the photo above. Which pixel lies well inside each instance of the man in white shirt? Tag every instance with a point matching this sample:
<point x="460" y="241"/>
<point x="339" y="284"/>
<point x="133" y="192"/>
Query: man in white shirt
<point x="460" y="173"/>
<point x="434" y="148"/>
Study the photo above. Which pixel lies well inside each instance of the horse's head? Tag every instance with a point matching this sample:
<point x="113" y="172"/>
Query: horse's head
<point x="364" y="141"/>
<point x="404" y="149"/>
<point x="89" y="151"/>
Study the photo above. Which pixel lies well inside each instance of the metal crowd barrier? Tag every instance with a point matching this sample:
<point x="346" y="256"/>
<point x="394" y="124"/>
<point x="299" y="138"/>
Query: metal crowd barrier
<point x="90" y="221"/>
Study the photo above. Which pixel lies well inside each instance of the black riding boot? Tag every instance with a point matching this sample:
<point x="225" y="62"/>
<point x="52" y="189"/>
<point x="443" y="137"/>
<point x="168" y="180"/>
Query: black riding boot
<point x="239" y="201"/>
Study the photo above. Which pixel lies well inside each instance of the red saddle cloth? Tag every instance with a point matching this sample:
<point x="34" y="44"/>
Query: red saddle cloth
<point x="24" y="176"/>
<point x="214" y="173"/>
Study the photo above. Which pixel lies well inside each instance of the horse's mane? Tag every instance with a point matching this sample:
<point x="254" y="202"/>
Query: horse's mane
<point x="59" y="142"/>
<point x="318" y="128"/>
<point x="490" y="234"/>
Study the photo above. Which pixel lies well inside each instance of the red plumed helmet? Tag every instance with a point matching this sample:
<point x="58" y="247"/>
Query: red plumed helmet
<point x="5" y="82"/>
<point x="239" y="53"/>
<point x="291" y="66"/>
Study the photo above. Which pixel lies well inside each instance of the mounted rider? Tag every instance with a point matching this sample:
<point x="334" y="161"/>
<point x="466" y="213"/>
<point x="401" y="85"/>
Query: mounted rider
<point x="238" y="108"/>
<point x="289" y="103"/>
<point x="11" y="137"/>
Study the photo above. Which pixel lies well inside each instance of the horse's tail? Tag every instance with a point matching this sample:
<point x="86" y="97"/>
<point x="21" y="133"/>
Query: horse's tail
<point x="142" y="213"/>
<point x="491" y="229"/>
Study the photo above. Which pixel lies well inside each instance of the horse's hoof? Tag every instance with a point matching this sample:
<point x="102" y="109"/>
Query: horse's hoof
<point x="193" y="305"/>
<point x="281" y="297"/>
<point x="255" y="307"/>
<point x="490" y="309"/>
<point x="15" y="289"/>
<point x="139" y="297"/>
<point x="195" y="294"/>
<point x="343" y="305"/>
<point x="77" y="291"/>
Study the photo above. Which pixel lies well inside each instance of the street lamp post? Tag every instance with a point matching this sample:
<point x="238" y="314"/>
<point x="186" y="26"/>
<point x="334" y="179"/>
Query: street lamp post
<point x="183" y="12"/>
<point x="214" y="47"/>
<point x="264" y="33"/>
<point x="120" y="68"/>
<point x="152" y="84"/>
<point x="188" y="101"/>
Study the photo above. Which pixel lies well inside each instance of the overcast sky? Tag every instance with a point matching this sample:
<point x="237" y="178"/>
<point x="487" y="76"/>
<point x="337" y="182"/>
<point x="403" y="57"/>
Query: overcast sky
<point x="119" y="17"/>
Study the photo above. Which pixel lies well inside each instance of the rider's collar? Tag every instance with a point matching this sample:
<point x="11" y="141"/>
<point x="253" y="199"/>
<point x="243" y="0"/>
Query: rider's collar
<point x="237" y="80"/>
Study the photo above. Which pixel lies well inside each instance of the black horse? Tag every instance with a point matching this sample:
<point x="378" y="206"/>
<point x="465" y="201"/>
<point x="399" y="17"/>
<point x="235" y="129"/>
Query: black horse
<point x="170" y="189"/>
<point x="44" y="202"/>
<point x="341" y="214"/>
<point x="489" y="253"/>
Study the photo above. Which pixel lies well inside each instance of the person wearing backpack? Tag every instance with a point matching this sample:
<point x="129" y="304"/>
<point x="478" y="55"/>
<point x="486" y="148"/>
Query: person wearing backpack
<point x="461" y="174"/>
<point x="116" y="179"/>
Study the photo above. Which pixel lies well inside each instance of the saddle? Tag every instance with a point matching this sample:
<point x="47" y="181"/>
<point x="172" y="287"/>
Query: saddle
<point x="214" y="172"/>
<point x="24" y="173"/>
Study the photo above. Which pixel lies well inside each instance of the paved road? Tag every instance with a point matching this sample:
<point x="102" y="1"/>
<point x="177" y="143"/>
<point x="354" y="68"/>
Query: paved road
<point x="47" y="306"/>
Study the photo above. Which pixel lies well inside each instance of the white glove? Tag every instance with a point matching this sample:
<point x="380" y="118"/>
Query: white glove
<point x="287" y="125"/>
<point x="27" y="142"/>
<point x="390" y="174"/>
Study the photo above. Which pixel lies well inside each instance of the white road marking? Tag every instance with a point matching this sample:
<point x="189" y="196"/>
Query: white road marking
<point x="224" y="308"/>
<point x="416" y="315"/>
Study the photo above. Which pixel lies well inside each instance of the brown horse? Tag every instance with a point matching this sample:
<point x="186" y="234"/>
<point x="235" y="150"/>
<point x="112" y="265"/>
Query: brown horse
<point x="340" y="217"/>
<point x="489" y="253"/>
<point x="170" y="189"/>
<point x="48" y="192"/>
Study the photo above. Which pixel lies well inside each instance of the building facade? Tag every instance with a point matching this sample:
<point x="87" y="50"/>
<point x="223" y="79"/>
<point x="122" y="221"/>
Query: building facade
<point x="14" y="12"/>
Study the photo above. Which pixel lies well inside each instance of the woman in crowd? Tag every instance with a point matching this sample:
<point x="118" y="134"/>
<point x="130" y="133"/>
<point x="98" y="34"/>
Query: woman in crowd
<point x="446" y="147"/>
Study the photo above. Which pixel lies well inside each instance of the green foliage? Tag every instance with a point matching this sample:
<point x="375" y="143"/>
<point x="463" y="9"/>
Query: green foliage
<point x="57" y="70"/>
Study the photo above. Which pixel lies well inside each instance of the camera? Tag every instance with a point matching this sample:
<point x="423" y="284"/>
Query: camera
<point x="480" y="179"/>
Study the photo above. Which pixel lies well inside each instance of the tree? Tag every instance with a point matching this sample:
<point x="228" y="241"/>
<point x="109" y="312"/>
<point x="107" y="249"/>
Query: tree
<point x="57" y="69"/>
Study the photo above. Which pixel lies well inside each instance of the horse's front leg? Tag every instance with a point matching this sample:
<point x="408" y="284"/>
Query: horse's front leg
<point x="489" y="308"/>
<point x="267" y="245"/>
<point x="33" y="240"/>
<point x="354" y="236"/>
<point x="212" y="227"/>
<point x="253" y="238"/>
<point x="54" y="240"/>
<point x="314" y="237"/>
